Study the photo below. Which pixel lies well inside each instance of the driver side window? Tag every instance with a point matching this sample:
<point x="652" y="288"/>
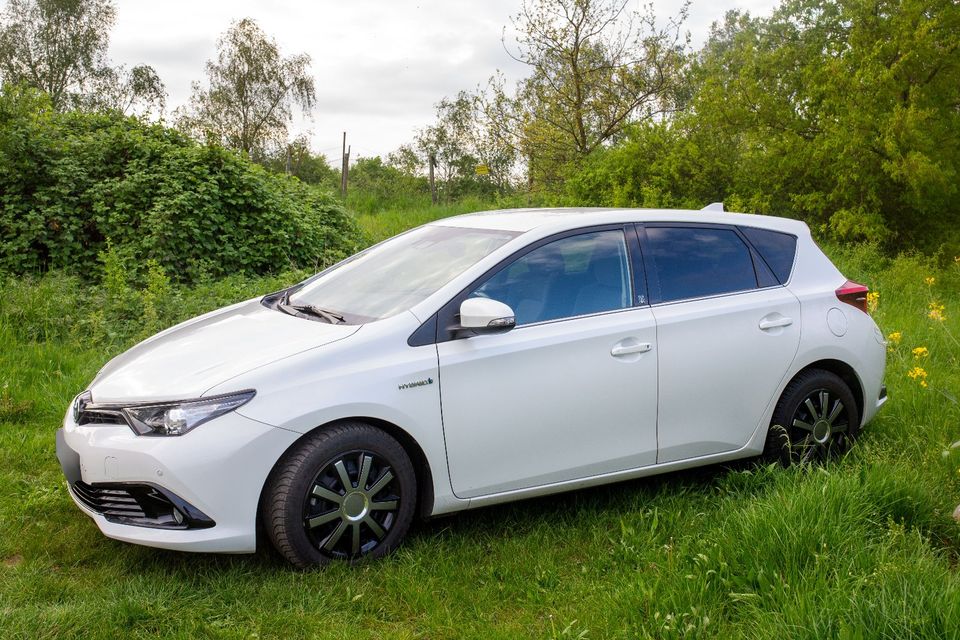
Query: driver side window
<point x="574" y="276"/>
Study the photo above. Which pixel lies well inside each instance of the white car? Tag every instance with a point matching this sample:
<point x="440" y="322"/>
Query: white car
<point x="475" y="360"/>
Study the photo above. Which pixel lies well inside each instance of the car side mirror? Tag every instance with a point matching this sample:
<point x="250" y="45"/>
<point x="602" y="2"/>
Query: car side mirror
<point x="483" y="315"/>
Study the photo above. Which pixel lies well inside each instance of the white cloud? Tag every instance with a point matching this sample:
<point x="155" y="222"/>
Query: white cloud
<point x="379" y="66"/>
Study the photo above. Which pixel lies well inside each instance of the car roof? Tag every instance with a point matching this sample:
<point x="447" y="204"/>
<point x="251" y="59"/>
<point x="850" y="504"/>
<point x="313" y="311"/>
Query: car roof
<point x="561" y="219"/>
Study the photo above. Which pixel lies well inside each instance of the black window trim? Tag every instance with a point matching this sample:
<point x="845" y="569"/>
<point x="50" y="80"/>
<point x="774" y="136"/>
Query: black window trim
<point x="653" y="277"/>
<point x="440" y="327"/>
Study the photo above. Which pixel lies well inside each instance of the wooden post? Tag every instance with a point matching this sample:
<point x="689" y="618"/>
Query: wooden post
<point x="344" y="167"/>
<point x="433" y="185"/>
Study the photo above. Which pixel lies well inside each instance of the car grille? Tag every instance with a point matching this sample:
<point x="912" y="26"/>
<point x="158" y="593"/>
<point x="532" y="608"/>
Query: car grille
<point x="141" y="505"/>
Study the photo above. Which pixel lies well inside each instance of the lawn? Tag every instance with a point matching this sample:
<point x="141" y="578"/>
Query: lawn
<point x="864" y="547"/>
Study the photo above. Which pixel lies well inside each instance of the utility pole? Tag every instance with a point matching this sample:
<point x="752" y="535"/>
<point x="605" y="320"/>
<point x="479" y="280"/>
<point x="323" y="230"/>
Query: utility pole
<point x="344" y="167"/>
<point x="433" y="185"/>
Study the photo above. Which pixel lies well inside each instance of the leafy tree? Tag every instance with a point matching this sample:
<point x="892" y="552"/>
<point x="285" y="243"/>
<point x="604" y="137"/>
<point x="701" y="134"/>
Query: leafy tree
<point x="447" y="141"/>
<point x="55" y="45"/>
<point x="843" y="113"/>
<point x="251" y="92"/>
<point x="460" y="139"/>
<point x="296" y="159"/>
<point x="137" y="90"/>
<point x="60" y="47"/>
<point x="595" y="67"/>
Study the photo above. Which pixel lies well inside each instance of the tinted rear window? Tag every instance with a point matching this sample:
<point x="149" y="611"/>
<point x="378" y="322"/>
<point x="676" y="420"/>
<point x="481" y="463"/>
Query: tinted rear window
<point x="777" y="249"/>
<point x="693" y="262"/>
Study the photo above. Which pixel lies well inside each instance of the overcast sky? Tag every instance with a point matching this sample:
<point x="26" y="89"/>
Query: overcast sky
<point x="379" y="66"/>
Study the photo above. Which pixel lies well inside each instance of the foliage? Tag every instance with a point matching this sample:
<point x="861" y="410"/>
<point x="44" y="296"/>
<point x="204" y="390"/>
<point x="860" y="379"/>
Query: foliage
<point x="296" y="159"/>
<point x="657" y="165"/>
<point x="250" y="94"/>
<point x="375" y="186"/>
<point x="135" y="90"/>
<point x="594" y="68"/>
<point x="60" y="48"/>
<point x="845" y="113"/>
<point x="837" y="112"/>
<point x="73" y="182"/>
<point x="390" y="217"/>
<point x="458" y="141"/>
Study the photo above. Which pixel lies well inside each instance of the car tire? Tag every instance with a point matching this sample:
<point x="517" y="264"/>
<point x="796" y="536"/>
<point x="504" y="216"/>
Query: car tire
<point x="816" y="418"/>
<point x="346" y="492"/>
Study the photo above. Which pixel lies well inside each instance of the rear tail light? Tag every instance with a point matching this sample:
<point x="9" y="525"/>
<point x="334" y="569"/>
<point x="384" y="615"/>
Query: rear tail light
<point x="855" y="294"/>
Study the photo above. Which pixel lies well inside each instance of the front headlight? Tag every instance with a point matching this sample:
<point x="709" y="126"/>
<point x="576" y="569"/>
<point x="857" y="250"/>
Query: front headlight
<point x="177" y="418"/>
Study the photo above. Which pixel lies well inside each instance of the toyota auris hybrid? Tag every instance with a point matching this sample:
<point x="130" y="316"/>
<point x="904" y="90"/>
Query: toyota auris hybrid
<point x="475" y="360"/>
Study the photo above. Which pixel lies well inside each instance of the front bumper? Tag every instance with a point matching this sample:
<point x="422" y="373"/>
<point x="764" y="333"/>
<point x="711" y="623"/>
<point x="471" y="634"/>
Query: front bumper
<point x="218" y="470"/>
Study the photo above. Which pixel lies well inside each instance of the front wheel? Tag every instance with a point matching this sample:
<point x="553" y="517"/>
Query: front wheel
<point x="815" y="419"/>
<point x="347" y="492"/>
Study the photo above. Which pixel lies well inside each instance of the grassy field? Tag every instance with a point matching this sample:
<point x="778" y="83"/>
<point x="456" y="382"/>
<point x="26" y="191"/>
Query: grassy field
<point x="862" y="548"/>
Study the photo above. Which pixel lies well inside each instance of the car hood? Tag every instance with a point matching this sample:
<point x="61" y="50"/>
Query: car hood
<point x="186" y="360"/>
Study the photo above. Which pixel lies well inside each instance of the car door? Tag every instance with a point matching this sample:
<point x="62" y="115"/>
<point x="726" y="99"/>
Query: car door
<point x="571" y="391"/>
<point x="727" y="332"/>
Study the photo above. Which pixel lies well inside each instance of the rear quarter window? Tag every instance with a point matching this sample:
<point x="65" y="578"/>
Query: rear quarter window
<point x="777" y="250"/>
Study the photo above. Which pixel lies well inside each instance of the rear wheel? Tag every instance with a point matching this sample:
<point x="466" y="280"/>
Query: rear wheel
<point x="815" y="419"/>
<point x="347" y="492"/>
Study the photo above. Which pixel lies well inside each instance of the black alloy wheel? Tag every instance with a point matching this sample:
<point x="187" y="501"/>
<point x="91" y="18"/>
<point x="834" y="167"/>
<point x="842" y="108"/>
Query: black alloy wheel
<point x="817" y="418"/>
<point x="351" y="505"/>
<point x="345" y="492"/>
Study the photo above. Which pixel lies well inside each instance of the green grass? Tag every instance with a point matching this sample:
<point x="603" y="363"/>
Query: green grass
<point x="861" y="548"/>
<point x="391" y="219"/>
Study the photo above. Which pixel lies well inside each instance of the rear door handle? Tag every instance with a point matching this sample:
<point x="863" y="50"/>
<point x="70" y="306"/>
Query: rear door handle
<point x="627" y="349"/>
<point x="773" y="322"/>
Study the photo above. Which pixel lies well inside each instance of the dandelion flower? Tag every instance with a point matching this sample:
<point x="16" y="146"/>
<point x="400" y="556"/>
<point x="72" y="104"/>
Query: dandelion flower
<point x="895" y="337"/>
<point x="929" y="280"/>
<point x="873" y="300"/>
<point x="920" y="352"/>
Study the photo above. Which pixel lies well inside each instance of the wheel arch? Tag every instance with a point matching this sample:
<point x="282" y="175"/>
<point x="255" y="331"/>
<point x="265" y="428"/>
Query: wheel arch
<point x="846" y="373"/>
<point x="421" y="465"/>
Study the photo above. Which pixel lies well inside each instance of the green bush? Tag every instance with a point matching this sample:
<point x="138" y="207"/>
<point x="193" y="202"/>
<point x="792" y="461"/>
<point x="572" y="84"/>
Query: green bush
<point x="72" y="182"/>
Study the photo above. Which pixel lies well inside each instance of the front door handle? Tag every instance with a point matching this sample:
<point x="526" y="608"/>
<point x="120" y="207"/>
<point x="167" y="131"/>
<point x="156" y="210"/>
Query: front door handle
<point x="774" y="322"/>
<point x="627" y="349"/>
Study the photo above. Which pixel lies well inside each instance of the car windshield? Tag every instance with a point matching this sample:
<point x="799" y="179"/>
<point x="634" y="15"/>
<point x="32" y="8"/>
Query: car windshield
<point x="399" y="273"/>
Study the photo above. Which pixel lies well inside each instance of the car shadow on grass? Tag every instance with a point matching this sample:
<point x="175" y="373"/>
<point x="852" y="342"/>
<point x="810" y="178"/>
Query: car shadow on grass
<point x="607" y="502"/>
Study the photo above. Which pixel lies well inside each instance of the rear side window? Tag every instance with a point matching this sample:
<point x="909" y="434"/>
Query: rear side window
<point x="777" y="250"/>
<point x="693" y="262"/>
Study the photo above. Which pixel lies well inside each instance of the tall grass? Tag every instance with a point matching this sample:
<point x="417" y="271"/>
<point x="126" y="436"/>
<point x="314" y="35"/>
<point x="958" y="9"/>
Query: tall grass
<point x="393" y="217"/>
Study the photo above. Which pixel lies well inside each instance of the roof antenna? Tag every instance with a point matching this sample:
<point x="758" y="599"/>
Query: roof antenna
<point x="713" y="206"/>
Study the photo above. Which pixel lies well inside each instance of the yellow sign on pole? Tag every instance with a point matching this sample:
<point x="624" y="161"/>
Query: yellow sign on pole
<point x="483" y="170"/>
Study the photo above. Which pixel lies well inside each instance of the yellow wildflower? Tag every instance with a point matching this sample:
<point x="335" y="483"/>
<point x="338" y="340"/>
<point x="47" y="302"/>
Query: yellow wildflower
<point x="919" y="374"/>
<point x="929" y="280"/>
<point x="920" y="352"/>
<point x="895" y="337"/>
<point x="873" y="300"/>
<point x="936" y="311"/>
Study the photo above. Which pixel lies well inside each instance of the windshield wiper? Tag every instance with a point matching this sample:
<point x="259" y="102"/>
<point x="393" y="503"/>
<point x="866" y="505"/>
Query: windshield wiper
<point x="313" y="310"/>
